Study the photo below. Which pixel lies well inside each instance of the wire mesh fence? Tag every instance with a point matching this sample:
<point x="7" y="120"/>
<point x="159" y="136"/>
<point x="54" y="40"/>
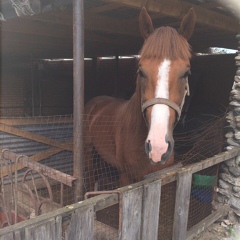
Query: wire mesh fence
<point x="40" y="161"/>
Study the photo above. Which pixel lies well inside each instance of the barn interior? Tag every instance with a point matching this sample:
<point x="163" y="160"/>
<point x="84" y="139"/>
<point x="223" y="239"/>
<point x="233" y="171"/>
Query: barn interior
<point x="36" y="70"/>
<point x="37" y="31"/>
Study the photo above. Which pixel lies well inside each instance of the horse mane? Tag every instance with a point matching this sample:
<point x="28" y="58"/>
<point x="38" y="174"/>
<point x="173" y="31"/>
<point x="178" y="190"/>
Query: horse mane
<point x="166" y="42"/>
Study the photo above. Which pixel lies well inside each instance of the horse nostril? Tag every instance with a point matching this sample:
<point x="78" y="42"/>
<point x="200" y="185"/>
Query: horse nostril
<point x="148" y="147"/>
<point x="167" y="155"/>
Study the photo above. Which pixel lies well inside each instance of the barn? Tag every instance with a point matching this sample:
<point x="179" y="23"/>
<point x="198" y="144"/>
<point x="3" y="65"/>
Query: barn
<point x="56" y="55"/>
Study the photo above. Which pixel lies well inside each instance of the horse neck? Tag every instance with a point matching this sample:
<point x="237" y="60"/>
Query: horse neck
<point x="133" y="117"/>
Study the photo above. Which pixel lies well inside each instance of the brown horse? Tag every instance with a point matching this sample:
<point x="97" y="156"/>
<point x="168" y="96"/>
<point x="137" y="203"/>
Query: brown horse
<point x="147" y="120"/>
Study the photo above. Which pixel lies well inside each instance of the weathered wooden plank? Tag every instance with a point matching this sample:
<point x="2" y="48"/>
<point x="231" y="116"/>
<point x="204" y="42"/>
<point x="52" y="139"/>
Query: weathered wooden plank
<point x="206" y="222"/>
<point x="47" y="171"/>
<point x="150" y="214"/>
<point x="131" y="214"/>
<point x="12" y="236"/>
<point x="50" y="229"/>
<point x="164" y="171"/>
<point x="182" y="205"/>
<point x="8" y="236"/>
<point x="167" y="175"/>
<point x="37" y="157"/>
<point x="99" y="202"/>
<point x="17" y="235"/>
<point x="81" y="226"/>
<point x="213" y="160"/>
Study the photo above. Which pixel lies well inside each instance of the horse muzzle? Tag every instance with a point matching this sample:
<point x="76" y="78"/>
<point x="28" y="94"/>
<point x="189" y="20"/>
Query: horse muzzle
<point x="165" y="156"/>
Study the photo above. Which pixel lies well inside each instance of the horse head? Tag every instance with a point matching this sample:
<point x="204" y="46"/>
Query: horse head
<point x="163" y="70"/>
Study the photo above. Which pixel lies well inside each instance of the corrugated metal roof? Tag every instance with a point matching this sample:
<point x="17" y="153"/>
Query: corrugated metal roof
<point x="62" y="132"/>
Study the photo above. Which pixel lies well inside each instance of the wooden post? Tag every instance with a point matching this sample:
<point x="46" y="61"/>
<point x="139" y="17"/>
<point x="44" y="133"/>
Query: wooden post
<point x="184" y="181"/>
<point x="81" y="226"/>
<point x="78" y="95"/>
<point x="151" y="206"/>
<point x="131" y="214"/>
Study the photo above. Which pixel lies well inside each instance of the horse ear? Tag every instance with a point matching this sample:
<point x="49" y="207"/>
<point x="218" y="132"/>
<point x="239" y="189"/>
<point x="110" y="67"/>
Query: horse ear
<point x="145" y="23"/>
<point x="187" y="24"/>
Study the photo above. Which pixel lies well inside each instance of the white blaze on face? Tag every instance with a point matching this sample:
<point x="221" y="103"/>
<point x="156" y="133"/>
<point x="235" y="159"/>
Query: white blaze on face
<point x="160" y="115"/>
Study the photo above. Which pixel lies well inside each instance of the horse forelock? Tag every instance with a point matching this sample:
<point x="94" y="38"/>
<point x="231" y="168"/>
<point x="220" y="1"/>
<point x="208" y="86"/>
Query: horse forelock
<point x="165" y="43"/>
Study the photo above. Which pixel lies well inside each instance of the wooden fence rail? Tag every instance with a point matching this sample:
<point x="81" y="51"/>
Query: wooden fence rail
<point x="139" y="206"/>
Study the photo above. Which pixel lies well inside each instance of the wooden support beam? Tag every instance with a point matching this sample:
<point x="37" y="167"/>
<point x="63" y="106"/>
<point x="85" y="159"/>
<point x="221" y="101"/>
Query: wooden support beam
<point x="184" y="181"/>
<point x="177" y="9"/>
<point x="35" y="158"/>
<point x="150" y="212"/>
<point x="81" y="225"/>
<point x="47" y="171"/>
<point x="50" y="229"/>
<point x="131" y="214"/>
<point x="104" y="8"/>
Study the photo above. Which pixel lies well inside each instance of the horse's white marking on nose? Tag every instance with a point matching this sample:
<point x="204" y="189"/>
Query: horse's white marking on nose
<point x="160" y="114"/>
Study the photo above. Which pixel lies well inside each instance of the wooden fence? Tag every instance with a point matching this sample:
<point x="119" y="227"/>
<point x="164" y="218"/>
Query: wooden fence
<point x="138" y="210"/>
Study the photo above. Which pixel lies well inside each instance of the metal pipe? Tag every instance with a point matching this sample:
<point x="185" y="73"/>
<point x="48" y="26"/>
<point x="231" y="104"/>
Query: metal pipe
<point x="78" y="95"/>
<point x="116" y="76"/>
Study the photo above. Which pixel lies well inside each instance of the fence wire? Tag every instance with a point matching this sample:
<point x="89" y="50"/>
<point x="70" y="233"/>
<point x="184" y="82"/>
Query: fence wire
<point x="37" y="169"/>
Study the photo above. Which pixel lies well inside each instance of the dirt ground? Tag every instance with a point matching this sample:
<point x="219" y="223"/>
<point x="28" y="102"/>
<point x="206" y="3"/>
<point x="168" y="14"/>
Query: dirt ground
<point x="223" y="230"/>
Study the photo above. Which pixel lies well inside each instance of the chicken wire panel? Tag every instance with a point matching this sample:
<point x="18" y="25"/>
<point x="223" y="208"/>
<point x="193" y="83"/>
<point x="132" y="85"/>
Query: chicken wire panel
<point x="166" y="213"/>
<point x="202" y="195"/>
<point x="108" y="222"/>
<point x="197" y="139"/>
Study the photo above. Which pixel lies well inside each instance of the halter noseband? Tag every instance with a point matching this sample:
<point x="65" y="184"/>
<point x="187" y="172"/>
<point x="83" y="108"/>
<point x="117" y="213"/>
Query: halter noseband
<point x="174" y="106"/>
<point x="164" y="101"/>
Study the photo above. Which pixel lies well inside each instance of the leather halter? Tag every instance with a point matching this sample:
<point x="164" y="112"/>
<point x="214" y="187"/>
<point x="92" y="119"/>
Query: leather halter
<point x="164" y="101"/>
<point x="174" y="106"/>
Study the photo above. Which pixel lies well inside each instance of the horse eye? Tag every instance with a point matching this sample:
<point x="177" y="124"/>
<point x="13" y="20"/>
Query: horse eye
<point x="141" y="74"/>
<point x="186" y="74"/>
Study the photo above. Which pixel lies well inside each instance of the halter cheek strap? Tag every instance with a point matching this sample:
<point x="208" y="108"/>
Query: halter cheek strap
<point x="187" y="92"/>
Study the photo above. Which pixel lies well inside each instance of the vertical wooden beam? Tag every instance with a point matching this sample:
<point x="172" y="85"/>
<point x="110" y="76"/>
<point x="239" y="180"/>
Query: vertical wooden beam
<point x="51" y="229"/>
<point x="131" y="214"/>
<point x="151" y="206"/>
<point x="78" y="95"/>
<point x="8" y="236"/>
<point x="81" y="226"/>
<point x="184" y="181"/>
